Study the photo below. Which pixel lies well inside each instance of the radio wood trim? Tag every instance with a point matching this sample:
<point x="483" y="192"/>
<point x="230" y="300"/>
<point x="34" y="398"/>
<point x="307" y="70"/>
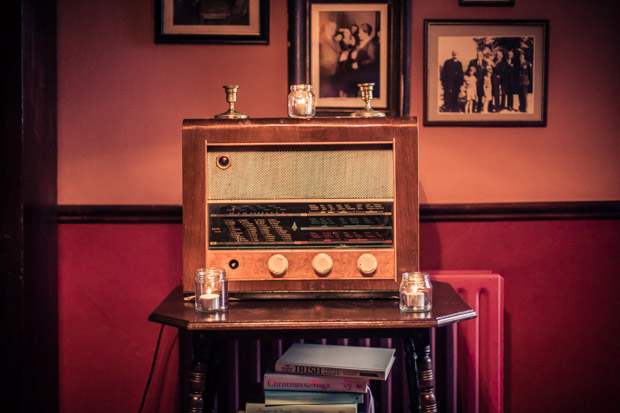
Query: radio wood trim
<point x="326" y="207"/>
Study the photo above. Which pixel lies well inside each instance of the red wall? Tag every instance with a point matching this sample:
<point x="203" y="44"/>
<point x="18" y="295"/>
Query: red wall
<point x="561" y="289"/>
<point x="110" y="279"/>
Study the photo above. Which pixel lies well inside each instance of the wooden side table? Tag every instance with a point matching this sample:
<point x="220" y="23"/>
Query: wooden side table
<point x="315" y="319"/>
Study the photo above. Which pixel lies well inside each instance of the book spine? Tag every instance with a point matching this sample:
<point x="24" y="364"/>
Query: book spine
<point x="326" y="371"/>
<point x="279" y="397"/>
<point x="280" y="381"/>
<point x="299" y="408"/>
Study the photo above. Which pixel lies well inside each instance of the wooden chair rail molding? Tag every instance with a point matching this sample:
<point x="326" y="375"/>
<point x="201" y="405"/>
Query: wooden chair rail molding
<point x="428" y="212"/>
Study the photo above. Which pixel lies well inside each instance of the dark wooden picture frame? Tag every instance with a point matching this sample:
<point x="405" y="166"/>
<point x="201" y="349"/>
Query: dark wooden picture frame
<point x="485" y="72"/>
<point x="212" y="21"/>
<point x="306" y="25"/>
<point x="486" y="2"/>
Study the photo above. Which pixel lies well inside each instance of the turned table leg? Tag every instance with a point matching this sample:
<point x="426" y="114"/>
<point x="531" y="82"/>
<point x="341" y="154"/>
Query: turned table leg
<point x="196" y="387"/>
<point x="203" y="376"/>
<point x="420" y="376"/>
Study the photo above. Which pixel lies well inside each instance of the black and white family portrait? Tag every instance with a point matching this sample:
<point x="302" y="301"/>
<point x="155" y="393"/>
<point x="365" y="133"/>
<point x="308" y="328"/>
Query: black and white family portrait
<point x="348" y="52"/>
<point x="347" y="49"/>
<point x="485" y="74"/>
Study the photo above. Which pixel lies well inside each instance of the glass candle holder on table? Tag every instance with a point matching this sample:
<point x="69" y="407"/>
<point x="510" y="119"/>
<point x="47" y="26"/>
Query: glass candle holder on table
<point x="211" y="289"/>
<point x="416" y="292"/>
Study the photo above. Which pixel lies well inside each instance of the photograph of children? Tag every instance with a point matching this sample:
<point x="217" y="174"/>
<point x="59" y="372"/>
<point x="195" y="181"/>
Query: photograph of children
<point x="346" y="49"/>
<point x="485" y="75"/>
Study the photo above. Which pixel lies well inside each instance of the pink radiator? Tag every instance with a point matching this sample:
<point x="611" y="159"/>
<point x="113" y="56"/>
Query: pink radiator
<point x="475" y="356"/>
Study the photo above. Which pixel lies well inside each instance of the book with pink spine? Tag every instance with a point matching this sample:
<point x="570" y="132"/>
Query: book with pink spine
<point x="297" y="382"/>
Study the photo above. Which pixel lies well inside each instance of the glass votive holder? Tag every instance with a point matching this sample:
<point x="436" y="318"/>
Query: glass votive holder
<point x="211" y="289"/>
<point x="301" y="102"/>
<point x="416" y="292"/>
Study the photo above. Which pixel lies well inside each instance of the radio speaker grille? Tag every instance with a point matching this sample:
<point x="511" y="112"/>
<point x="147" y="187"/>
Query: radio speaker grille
<point x="301" y="174"/>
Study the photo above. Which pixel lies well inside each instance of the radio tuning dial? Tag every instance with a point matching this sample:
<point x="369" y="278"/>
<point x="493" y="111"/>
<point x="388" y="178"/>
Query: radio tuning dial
<point x="367" y="264"/>
<point x="322" y="264"/>
<point x="277" y="264"/>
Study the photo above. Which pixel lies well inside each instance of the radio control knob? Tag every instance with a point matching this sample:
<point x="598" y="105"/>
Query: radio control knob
<point x="322" y="264"/>
<point x="367" y="264"/>
<point x="277" y="264"/>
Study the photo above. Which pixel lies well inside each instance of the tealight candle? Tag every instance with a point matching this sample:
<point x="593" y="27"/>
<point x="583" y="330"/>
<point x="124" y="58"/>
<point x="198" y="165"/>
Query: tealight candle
<point x="300" y="107"/>
<point x="209" y="301"/>
<point x="415" y="299"/>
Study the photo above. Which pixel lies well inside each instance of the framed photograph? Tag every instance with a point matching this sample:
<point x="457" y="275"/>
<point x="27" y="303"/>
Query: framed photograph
<point x="486" y="2"/>
<point x="485" y="73"/>
<point x="336" y="45"/>
<point x="212" y="21"/>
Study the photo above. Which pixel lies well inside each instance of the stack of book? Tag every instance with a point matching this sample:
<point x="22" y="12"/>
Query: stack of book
<point x="315" y="378"/>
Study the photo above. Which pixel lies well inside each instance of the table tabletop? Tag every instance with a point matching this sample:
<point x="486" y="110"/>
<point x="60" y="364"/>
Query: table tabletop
<point x="341" y="316"/>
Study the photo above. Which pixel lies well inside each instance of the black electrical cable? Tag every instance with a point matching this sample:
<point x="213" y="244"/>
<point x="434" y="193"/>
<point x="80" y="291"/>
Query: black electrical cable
<point x="148" y="383"/>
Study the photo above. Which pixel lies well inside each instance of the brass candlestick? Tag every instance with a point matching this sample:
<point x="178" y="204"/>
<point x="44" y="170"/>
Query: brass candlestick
<point x="231" y="98"/>
<point x="367" y="112"/>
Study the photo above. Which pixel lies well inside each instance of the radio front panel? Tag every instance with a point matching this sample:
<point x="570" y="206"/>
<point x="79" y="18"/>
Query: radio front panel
<point x="295" y="210"/>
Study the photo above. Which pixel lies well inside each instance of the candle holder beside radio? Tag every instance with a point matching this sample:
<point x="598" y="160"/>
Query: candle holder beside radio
<point x="211" y="290"/>
<point x="416" y="292"/>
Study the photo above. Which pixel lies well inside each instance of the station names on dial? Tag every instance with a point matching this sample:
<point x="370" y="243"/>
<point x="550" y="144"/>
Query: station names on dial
<point x="300" y="225"/>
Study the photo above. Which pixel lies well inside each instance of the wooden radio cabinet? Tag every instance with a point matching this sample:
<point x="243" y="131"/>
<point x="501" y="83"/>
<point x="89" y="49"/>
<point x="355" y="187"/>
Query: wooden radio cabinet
<point x="290" y="207"/>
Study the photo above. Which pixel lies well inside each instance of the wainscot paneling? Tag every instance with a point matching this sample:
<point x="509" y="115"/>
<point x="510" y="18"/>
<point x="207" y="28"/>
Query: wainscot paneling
<point x="428" y="212"/>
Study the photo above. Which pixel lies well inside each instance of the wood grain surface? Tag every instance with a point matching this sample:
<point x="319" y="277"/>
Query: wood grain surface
<point x="401" y="132"/>
<point x="380" y="317"/>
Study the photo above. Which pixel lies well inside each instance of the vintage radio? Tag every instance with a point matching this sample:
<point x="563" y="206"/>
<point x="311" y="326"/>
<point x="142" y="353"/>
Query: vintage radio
<point x="298" y="208"/>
